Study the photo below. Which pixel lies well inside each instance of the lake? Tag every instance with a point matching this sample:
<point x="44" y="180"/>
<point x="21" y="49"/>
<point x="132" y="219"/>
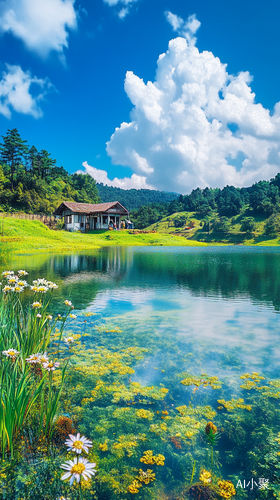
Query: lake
<point x="196" y="313"/>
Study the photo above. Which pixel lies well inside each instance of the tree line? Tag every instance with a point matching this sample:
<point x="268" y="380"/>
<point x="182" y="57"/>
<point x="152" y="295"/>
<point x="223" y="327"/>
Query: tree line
<point x="133" y="199"/>
<point x="31" y="181"/>
<point x="262" y="198"/>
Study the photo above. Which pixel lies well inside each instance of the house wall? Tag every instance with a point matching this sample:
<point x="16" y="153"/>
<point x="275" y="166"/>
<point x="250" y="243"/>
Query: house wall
<point x="77" y="221"/>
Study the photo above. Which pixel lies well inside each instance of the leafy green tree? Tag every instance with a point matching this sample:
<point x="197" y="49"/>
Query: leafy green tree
<point x="180" y="220"/>
<point x="86" y="188"/>
<point x="13" y="151"/>
<point x="248" y="224"/>
<point x="221" y="224"/>
<point x="272" y="225"/>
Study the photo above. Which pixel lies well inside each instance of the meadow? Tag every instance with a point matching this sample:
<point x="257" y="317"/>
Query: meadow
<point x="24" y="236"/>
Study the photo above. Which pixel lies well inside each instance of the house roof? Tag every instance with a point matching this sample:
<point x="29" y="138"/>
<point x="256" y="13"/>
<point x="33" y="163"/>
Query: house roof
<point x="88" y="208"/>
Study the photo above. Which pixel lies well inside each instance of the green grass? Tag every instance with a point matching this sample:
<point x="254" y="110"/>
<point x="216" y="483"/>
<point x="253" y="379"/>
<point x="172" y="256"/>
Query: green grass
<point x="23" y="236"/>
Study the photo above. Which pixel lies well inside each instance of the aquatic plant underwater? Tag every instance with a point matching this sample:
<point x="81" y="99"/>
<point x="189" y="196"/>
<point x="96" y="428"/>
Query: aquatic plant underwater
<point x="74" y="425"/>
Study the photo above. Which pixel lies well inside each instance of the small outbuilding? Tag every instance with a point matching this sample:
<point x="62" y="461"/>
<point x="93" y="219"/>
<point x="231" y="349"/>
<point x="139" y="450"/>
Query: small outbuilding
<point x="87" y="216"/>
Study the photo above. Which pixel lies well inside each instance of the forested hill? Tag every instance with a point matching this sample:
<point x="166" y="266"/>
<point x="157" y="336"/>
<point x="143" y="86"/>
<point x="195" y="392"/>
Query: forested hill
<point x="262" y="198"/>
<point x="133" y="198"/>
<point x="31" y="181"/>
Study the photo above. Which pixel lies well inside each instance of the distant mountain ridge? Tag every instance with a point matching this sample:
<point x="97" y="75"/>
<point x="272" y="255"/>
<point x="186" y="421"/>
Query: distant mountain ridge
<point x="132" y="199"/>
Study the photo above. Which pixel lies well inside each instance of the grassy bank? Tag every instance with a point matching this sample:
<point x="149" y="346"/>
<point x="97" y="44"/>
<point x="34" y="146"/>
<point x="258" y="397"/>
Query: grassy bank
<point x="234" y="236"/>
<point x="24" y="236"/>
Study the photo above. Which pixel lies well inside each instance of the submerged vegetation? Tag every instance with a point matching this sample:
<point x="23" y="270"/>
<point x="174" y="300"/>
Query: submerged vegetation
<point x="78" y="420"/>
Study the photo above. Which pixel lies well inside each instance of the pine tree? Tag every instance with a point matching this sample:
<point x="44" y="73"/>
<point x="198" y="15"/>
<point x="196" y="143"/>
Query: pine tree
<point x="13" y="151"/>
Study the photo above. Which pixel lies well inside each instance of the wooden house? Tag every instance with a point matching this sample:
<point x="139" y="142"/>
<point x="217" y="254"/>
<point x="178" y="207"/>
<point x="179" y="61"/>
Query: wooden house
<point x="87" y="216"/>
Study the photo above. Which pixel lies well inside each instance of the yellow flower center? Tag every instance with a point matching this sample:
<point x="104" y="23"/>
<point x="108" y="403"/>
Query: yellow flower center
<point x="78" y="444"/>
<point x="78" y="468"/>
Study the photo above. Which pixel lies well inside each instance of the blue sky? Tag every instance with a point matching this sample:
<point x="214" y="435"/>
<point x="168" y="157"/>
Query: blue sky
<point x="83" y="79"/>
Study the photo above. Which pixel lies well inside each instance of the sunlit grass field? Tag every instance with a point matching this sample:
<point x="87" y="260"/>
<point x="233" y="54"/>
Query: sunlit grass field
<point x="24" y="236"/>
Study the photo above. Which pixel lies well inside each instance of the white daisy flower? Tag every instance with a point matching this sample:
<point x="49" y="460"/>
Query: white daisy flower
<point x="40" y="281"/>
<point x="11" y="353"/>
<point x="22" y="273"/>
<point x="34" y="359"/>
<point x="77" y="468"/>
<point x="12" y="279"/>
<point x="44" y="358"/>
<point x="69" y="340"/>
<point x="7" y="273"/>
<point x="22" y="283"/>
<point x="38" y="315"/>
<point x="8" y="288"/>
<point x="72" y="316"/>
<point x="52" y="285"/>
<point x="42" y="289"/>
<point x="50" y="366"/>
<point x="49" y="316"/>
<point x="78" y="443"/>
<point x="36" y="304"/>
<point x="18" y="289"/>
<point x="68" y="303"/>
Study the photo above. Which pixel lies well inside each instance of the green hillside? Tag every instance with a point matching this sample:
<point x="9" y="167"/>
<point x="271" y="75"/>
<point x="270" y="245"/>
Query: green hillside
<point x="246" y="228"/>
<point x="133" y="199"/>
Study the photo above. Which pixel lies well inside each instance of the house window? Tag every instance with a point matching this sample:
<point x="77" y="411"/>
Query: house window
<point x="105" y="219"/>
<point x="68" y="219"/>
<point x="81" y="219"/>
<point x="76" y="218"/>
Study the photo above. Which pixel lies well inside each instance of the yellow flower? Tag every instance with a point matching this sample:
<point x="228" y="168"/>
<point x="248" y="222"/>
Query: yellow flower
<point x="103" y="447"/>
<point x="159" y="459"/>
<point x="227" y="489"/>
<point x="205" y="476"/>
<point x="134" y="487"/>
<point x="210" y="427"/>
<point x="144" y="414"/>
<point x="147" y="476"/>
<point x="149" y="459"/>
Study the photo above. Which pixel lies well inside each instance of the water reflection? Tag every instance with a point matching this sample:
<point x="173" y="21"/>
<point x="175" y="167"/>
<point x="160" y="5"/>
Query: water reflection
<point x="218" y="303"/>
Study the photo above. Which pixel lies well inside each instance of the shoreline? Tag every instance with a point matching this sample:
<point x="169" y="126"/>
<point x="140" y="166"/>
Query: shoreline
<point x="24" y="237"/>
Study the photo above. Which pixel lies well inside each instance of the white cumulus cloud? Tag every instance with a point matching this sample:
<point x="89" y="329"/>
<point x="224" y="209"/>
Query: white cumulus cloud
<point x="187" y="29"/>
<point x="122" y="6"/>
<point x="15" y="92"/>
<point x="41" y="24"/>
<point x="135" y="181"/>
<point x="196" y="125"/>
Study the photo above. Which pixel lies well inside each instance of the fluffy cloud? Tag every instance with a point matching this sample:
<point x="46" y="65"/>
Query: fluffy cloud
<point x="122" y="6"/>
<point x="187" y="29"/>
<point x="42" y="24"/>
<point x="135" y="181"/>
<point x="196" y="125"/>
<point x="15" y="92"/>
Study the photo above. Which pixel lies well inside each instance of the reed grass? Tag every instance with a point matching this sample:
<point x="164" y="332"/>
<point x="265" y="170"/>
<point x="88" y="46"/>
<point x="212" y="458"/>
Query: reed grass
<point x="26" y="385"/>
